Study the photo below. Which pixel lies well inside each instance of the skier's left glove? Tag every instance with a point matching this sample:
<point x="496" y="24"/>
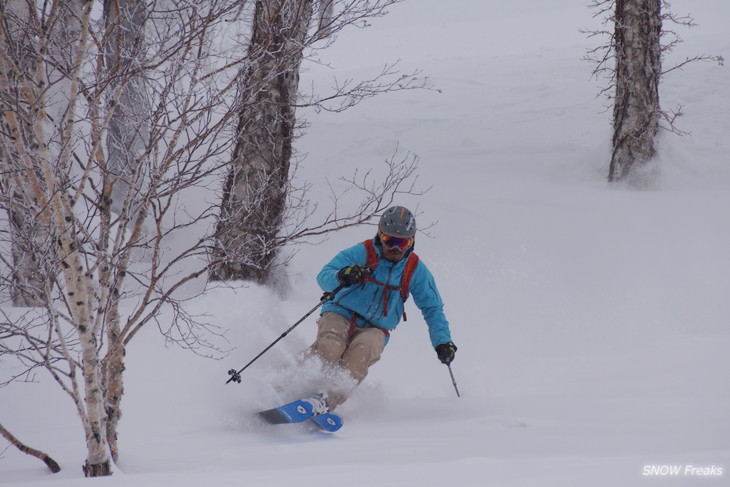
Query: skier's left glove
<point x="446" y="352"/>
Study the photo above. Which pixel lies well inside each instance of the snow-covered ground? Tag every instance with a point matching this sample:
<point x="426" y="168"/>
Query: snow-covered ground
<point x="592" y="320"/>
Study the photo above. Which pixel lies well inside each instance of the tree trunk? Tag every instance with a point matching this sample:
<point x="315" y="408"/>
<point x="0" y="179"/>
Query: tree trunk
<point x="113" y="371"/>
<point x="68" y="48"/>
<point x="128" y="131"/>
<point x="255" y="190"/>
<point x="638" y="69"/>
<point x="127" y="139"/>
<point x="30" y="243"/>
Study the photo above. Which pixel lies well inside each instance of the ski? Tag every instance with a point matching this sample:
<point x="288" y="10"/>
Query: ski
<point x="300" y="411"/>
<point x="327" y="421"/>
<point x="294" y="412"/>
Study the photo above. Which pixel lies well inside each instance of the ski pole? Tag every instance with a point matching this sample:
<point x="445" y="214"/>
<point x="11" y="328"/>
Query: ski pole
<point x="453" y="381"/>
<point x="236" y="374"/>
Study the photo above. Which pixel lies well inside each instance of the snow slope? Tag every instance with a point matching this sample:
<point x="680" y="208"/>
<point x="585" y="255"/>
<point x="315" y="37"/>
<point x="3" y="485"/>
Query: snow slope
<point x="592" y="319"/>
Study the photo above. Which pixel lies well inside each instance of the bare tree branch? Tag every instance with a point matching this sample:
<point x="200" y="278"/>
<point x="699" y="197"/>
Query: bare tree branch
<point x="111" y="155"/>
<point x="50" y="462"/>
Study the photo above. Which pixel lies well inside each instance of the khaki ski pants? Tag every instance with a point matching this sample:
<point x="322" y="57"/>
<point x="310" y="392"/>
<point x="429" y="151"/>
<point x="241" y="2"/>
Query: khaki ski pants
<point x="351" y="348"/>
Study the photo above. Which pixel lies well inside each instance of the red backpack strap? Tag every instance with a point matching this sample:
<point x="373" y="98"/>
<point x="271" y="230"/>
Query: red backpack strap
<point x="405" y="283"/>
<point x="371" y="260"/>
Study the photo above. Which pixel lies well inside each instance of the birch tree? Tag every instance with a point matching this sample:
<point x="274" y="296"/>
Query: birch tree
<point x="59" y="96"/>
<point x="632" y="62"/>
<point x="121" y="236"/>
<point x="28" y="240"/>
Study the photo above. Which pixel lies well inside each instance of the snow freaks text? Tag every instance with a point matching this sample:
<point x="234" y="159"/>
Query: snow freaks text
<point x="682" y="471"/>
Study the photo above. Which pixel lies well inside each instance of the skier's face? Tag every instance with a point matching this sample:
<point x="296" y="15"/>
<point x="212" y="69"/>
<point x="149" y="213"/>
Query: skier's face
<point x="393" y="254"/>
<point x="394" y="247"/>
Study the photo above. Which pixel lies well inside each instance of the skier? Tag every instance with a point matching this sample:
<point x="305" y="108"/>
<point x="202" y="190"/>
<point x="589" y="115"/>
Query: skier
<point x="379" y="275"/>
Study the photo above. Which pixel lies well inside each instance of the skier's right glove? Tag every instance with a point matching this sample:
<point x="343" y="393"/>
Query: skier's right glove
<point x="353" y="274"/>
<point x="446" y="352"/>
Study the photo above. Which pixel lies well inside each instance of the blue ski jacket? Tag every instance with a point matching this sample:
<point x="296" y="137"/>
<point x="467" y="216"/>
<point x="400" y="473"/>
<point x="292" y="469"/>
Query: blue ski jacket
<point x="366" y="304"/>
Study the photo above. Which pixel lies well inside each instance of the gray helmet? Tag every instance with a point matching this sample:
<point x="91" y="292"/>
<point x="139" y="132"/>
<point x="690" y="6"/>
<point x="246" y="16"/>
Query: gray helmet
<point x="397" y="221"/>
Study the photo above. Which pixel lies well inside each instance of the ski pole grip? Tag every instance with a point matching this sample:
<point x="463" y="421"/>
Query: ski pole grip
<point x="235" y="376"/>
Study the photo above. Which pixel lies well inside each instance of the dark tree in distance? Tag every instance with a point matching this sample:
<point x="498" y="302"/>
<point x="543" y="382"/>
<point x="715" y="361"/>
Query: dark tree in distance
<point x="632" y="63"/>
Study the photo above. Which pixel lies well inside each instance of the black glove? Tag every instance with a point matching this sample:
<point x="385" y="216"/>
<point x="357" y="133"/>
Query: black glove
<point x="353" y="274"/>
<point x="446" y="352"/>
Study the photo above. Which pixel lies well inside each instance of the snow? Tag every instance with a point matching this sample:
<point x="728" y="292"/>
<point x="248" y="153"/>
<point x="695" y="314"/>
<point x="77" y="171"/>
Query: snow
<point x="591" y="319"/>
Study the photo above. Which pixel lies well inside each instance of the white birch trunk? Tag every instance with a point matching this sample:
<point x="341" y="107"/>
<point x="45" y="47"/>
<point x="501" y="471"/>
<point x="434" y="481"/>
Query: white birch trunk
<point x="30" y="247"/>
<point x="78" y="279"/>
<point x="53" y="86"/>
<point x="127" y="140"/>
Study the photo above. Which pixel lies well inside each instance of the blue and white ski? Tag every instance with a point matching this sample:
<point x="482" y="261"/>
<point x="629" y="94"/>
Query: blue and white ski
<point x="298" y="412"/>
<point x="327" y="421"/>
<point x="294" y="412"/>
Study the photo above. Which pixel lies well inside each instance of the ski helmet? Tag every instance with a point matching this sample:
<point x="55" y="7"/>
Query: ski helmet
<point x="397" y="221"/>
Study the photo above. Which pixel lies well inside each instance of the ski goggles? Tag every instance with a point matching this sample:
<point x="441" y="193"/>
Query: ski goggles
<point x="392" y="242"/>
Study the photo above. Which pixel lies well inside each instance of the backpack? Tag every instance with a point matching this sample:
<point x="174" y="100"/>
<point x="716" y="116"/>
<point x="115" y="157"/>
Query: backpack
<point x="372" y="262"/>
